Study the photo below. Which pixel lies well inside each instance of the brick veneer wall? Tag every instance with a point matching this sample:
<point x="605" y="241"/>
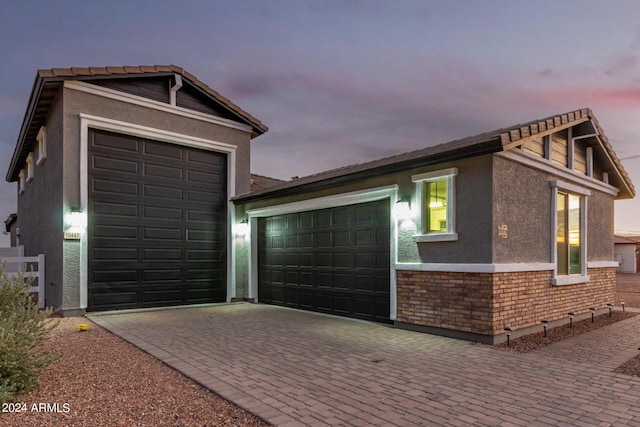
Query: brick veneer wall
<point x="486" y="303"/>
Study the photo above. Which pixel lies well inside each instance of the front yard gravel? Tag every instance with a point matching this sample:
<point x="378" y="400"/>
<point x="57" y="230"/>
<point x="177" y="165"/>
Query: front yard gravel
<point x="105" y="381"/>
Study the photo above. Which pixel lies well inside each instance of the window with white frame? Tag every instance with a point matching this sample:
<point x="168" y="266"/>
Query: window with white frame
<point x="42" y="145"/>
<point x="29" y="162"/>
<point x="569" y="233"/>
<point x="21" y="182"/>
<point x="436" y="195"/>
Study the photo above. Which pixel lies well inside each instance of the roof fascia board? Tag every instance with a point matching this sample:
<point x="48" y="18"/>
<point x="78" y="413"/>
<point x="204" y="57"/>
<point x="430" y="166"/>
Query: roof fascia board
<point x="615" y="167"/>
<point x="26" y="121"/>
<point x="322" y="184"/>
<point x="156" y="105"/>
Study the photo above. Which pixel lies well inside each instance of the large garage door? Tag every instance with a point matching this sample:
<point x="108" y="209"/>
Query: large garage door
<point x="157" y="221"/>
<point x="331" y="260"/>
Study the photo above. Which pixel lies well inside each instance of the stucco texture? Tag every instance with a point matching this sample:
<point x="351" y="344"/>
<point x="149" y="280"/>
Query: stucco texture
<point x="40" y="208"/>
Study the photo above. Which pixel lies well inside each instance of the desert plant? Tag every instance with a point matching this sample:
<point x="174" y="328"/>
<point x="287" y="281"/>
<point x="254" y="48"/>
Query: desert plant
<point x="23" y="331"/>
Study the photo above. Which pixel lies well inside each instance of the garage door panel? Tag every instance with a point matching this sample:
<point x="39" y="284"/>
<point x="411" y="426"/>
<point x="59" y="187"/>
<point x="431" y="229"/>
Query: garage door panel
<point x="111" y="186"/>
<point x="115" y="254"/>
<point x="164" y="296"/>
<point x="110" y="232"/>
<point x="324" y="279"/>
<point x="115" y="209"/>
<point x="167" y="254"/>
<point x="118" y="300"/>
<point x="119" y="166"/>
<point x="150" y="275"/>
<point x="335" y="260"/>
<point x="140" y="206"/>
<point x="102" y="278"/>
<point x="342" y="281"/>
<point x="164" y="192"/>
<point x="205" y="197"/>
<point x="162" y="212"/>
<point x="166" y="173"/>
<point x="365" y="260"/>
<point x="323" y="240"/>
<point x="160" y="149"/>
<point x="115" y="143"/>
<point x="156" y="233"/>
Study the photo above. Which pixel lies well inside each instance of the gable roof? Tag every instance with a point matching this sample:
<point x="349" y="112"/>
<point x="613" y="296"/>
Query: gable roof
<point x="48" y="82"/>
<point x="261" y="182"/>
<point x="502" y="139"/>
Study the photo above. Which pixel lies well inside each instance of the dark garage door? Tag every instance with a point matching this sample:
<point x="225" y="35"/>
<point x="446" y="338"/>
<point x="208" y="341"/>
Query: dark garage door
<point x="331" y="260"/>
<point x="157" y="221"/>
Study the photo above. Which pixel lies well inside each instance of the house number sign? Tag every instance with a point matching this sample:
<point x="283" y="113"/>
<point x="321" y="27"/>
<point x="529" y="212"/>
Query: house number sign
<point x="503" y="231"/>
<point x="70" y="235"/>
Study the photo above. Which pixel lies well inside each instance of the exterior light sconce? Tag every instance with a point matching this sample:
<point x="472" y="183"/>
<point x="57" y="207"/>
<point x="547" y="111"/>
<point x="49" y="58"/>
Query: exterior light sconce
<point x="571" y="319"/>
<point x="75" y="223"/>
<point x="622" y="304"/>
<point x="242" y="228"/>
<point x="508" y="330"/>
<point x="403" y="208"/>
<point x="610" y="306"/>
<point x="76" y="219"/>
<point x="593" y="314"/>
<point x="544" y="326"/>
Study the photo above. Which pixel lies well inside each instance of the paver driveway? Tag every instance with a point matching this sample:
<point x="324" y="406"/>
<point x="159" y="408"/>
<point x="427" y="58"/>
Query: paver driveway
<point x="297" y="368"/>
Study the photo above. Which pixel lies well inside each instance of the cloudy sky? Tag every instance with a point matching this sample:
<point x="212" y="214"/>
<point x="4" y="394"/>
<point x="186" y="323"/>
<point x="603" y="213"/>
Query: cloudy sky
<point x="341" y="82"/>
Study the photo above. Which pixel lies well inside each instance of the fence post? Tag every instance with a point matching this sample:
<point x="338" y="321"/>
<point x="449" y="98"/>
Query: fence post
<point x="41" y="281"/>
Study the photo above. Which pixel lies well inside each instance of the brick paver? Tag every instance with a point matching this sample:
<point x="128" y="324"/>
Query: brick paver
<point x="297" y="368"/>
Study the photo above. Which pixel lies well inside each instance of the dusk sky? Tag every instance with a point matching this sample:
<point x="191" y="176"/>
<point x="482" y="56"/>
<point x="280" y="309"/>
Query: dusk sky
<point x="343" y="82"/>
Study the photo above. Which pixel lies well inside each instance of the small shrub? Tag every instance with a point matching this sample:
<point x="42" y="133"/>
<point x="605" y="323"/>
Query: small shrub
<point x="23" y="331"/>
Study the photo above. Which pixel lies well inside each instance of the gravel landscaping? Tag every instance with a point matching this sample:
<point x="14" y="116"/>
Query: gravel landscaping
<point x="531" y="342"/>
<point x="102" y="380"/>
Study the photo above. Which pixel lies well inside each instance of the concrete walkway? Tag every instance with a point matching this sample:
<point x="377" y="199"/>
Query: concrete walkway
<point x="294" y="368"/>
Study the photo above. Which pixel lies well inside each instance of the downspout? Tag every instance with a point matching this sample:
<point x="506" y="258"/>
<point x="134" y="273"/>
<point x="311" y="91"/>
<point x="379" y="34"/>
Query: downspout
<point x="174" y="89"/>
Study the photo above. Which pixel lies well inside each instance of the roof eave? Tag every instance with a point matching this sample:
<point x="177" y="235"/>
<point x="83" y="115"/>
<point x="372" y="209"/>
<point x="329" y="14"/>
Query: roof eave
<point x="34" y="97"/>
<point x="59" y="76"/>
<point x="290" y="188"/>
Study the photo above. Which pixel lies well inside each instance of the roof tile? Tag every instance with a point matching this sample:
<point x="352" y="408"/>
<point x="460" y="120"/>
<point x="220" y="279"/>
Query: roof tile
<point x="98" y="71"/>
<point x="62" y="72"/>
<point x="116" y="70"/>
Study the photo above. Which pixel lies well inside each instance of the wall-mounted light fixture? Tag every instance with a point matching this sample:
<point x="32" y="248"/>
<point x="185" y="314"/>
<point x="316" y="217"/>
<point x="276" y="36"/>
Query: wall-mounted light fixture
<point x="403" y="208"/>
<point x="242" y="228"/>
<point x="76" y="219"/>
<point x="75" y="223"/>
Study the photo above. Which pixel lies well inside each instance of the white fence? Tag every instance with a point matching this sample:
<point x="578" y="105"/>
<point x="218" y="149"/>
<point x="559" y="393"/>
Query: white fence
<point x="14" y="261"/>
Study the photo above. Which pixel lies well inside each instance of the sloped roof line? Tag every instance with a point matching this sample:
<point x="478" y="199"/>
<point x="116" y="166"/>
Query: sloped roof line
<point x="492" y="141"/>
<point x="80" y="72"/>
<point x="45" y="87"/>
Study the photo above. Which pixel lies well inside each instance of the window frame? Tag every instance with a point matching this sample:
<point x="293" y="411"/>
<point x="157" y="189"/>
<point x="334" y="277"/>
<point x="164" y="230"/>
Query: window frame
<point x="42" y="145"/>
<point x="422" y="180"/>
<point x="21" y="182"/>
<point x="29" y="163"/>
<point x="558" y="187"/>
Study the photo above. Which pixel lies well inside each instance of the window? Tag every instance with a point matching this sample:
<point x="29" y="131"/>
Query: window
<point x="436" y="195"/>
<point x="30" y="167"/>
<point x="21" y="182"/>
<point x="436" y="206"/>
<point x="42" y="145"/>
<point x="569" y="233"/>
